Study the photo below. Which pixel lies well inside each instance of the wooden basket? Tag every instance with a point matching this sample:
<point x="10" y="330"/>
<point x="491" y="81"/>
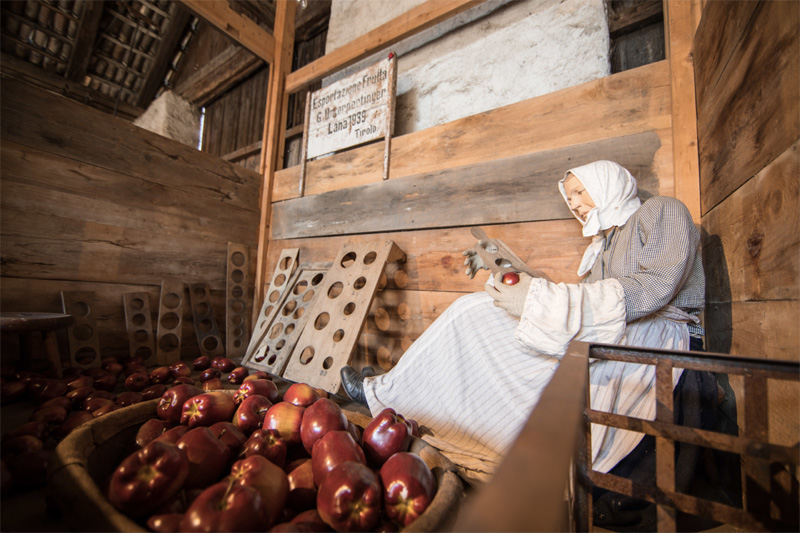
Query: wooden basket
<point x="85" y="460"/>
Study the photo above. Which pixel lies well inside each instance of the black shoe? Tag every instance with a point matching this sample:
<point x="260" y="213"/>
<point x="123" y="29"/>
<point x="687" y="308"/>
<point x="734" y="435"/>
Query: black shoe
<point x="368" y="372"/>
<point x="353" y="384"/>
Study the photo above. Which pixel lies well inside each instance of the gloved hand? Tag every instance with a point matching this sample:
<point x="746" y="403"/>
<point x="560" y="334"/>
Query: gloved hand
<point x="510" y="297"/>
<point x="474" y="262"/>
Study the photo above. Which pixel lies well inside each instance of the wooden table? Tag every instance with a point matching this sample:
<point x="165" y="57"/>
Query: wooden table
<point x="25" y="324"/>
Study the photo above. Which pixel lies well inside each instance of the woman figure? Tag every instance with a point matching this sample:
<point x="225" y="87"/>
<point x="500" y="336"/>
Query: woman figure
<point x="472" y="378"/>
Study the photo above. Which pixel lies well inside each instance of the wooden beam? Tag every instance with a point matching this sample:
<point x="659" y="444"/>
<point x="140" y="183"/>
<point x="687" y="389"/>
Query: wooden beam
<point x="272" y="139"/>
<point x="410" y="23"/>
<point x="173" y="34"/>
<point x="218" y="75"/>
<point x="681" y="18"/>
<point x="633" y="17"/>
<point x="240" y="28"/>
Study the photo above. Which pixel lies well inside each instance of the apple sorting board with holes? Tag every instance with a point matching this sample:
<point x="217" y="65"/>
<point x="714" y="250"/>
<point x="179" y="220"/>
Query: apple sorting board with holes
<point x="338" y="313"/>
<point x="286" y="267"/>
<point x="288" y="323"/>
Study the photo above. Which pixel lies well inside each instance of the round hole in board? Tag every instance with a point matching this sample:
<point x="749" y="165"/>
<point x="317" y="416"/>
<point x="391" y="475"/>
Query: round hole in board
<point x="307" y="355"/>
<point x="205" y="325"/>
<point x="289" y="307"/>
<point x="280" y="279"/>
<point x="210" y="343"/>
<point x="335" y="289"/>
<point x="267" y="310"/>
<point x="169" y="342"/>
<point x="171" y="300"/>
<point x="170" y="321"/>
<point x="237" y="306"/>
<point x="136" y="304"/>
<point x="338" y="335"/>
<point x="237" y="258"/>
<point x="237" y="292"/>
<point x="199" y="292"/>
<point x="285" y="263"/>
<point x="237" y="320"/>
<point x="259" y="356"/>
<point x="359" y="283"/>
<point x="300" y="287"/>
<point x="85" y="355"/>
<point x="276" y="330"/>
<point x="238" y="333"/>
<point x="308" y="296"/>
<point x="288" y="329"/>
<point x="327" y="363"/>
<point x="316" y="280"/>
<point x="273" y="296"/>
<point x="280" y="344"/>
<point x="237" y="343"/>
<point x="297" y="314"/>
<point x="349" y="308"/>
<point x="138" y="319"/>
<point x="140" y="335"/>
<point x="237" y="276"/>
<point x="322" y="320"/>
<point x="79" y="309"/>
<point x="144" y="352"/>
<point x="503" y="263"/>
<point x="272" y="359"/>
<point x="370" y="258"/>
<point x="201" y="308"/>
<point x="348" y="259"/>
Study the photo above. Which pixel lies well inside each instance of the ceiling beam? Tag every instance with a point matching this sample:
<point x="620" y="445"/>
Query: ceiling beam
<point x="410" y="23"/>
<point x="218" y="75"/>
<point x="84" y="41"/>
<point x="238" y="27"/>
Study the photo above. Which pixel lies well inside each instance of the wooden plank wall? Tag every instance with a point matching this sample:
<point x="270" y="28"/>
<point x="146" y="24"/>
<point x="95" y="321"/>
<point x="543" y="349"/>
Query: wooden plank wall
<point x="497" y="170"/>
<point x="90" y="202"/>
<point x="747" y="56"/>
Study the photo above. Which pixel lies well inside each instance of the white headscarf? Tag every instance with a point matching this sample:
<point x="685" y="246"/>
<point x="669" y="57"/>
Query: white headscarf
<point x="613" y="190"/>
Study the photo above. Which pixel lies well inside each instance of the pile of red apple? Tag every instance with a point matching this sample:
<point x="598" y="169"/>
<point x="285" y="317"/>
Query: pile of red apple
<point x="251" y="460"/>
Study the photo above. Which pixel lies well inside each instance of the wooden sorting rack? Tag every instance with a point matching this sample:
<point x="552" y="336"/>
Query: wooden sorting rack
<point x="84" y="344"/>
<point x="170" y="322"/>
<point x="139" y="323"/>
<point x="209" y="339"/>
<point x="236" y="320"/>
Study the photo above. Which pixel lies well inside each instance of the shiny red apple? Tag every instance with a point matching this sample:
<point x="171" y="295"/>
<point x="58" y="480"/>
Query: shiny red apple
<point x="301" y="394"/>
<point x="237" y="375"/>
<point x="334" y="448"/>
<point x="207" y="409"/>
<point x="262" y="387"/>
<point x="212" y="384"/>
<point x="170" y="406"/>
<point x="267" y="478"/>
<point x="408" y="487"/>
<point x="386" y="434"/>
<point x="510" y="278"/>
<point x="250" y="414"/>
<point x="230" y="436"/>
<point x="201" y="363"/>
<point x="150" y="430"/>
<point x="286" y="418"/>
<point x="153" y="391"/>
<point x="225" y="507"/>
<point x="268" y="444"/>
<point x="350" y="497"/>
<point x="209" y="373"/>
<point x="160" y="374"/>
<point x="320" y="417"/>
<point x="72" y="422"/>
<point x="129" y="398"/>
<point x="208" y="456"/>
<point x="302" y="490"/>
<point x="180" y="369"/>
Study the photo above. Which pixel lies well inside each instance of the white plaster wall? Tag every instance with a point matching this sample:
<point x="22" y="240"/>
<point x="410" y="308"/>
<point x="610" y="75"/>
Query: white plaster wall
<point x="172" y="116"/>
<point x="495" y="54"/>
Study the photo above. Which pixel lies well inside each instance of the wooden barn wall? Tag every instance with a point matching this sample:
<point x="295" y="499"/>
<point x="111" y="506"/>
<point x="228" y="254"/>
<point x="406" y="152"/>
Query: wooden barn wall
<point x="92" y="203"/>
<point x="748" y="101"/>
<point x="497" y="170"/>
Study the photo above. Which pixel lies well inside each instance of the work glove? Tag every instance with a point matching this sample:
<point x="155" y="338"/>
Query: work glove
<point x="474" y="262"/>
<point x="510" y="297"/>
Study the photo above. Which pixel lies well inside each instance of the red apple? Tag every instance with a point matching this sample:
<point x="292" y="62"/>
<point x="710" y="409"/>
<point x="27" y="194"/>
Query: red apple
<point x="230" y="436"/>
<point x="29" y="469"/>
<point x="82" y="381"/>
<point x="268" y="444"/>
<point x="183" y="380"/>
<point x="37" y="429"/>
<point x="173" y="434"/>
<point x="334" y="448"/>
<point x="267" y="478"/>
<point x="322" y="416"/>
<point x="510" y="278"/>
<point x="23" y="443"/>
<point x="135" y="369"/>
<point x="129" y="398"/>
<point x="207" y="409"/>
<point x="12" y="391"/>
<point x="258" y="374"/>
<point x="223" y="364"/>
<point x="113" y="367"/>
<point x="79" y="395"/>
<point x="349" y="498"/>
<point x="147" y="478"/>
<point x="137" y="382"/>
<point x="249" y="416"/>
<point x="170" y="406"/>
<point x="62" y="401"/>
<point x="385" y="435"/>
<point x="302" y="490"/>
<point x="414" y="427"/>
<point x="102" y="394"/>
<point x="301" y="394"/>
<point x="209" y="373"/>
<point x="43" y="389"/>
<point x="96" y="372"/>
<point x="208" y="456"/>
<point x="136" y="360"/>
<point x="201" y="363"/>
<point x="165" y="523"/>
<point x="309" y="520"/>
<point x="72" y="422"/>
<point x="237" y="375"/>
<point x="108" y="382"/>
<point x="180" y="369"/>
<point x="408" y="487"/>
<point x="160" y="374"/>
<point x="105" y="409"/>
<point x="154" y="391"/>
<point x="354" y="430"/>
<point x="262" y="387"/>
<point x="226" y="507"/>
<point x="286" y="418"/>
<point x="212" y="384"/>
<point x="150" y="430"/>
<point x="52" y="416"/>
<point x="93" y="404"/>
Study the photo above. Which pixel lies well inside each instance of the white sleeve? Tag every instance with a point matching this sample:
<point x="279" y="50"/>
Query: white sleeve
<point x="555" y="314"/>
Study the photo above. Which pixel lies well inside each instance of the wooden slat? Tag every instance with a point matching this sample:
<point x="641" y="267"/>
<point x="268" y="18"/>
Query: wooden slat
<point x="630" y="102"/>
<point x="218" y="75"/>
<point x="410" y="23"/>
<point x="752" y="115"/>
<point x="681" y="19"/>
<point x="517" y="189"/>
<point x="751" y="240"/>
<point x="240" y="28"/>
<point x="633" y="16"/>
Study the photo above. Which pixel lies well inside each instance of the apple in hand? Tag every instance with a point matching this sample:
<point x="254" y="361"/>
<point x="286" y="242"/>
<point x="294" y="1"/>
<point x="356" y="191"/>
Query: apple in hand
<point x="148" y="478"/>
<point x="286" y="418"/>
<point x="301" y="394"/>
<point x="268" y="444"/>
<point x="385" y="435"/>
<point x="408" y="487"/>
<point x="334" y="448"/>
<point x="170" y="407"/>
<point x="510" y="278"/>
<point x="207" y="409"/>
<point x="261" y="387"/>
<point x="320" y="417"/>
<point x="267" y="478"/>
<point x="225" y="506"/>
<point x="249" y="416"/>
<point x="349" y="498"/>
<point x="208" y="456"/>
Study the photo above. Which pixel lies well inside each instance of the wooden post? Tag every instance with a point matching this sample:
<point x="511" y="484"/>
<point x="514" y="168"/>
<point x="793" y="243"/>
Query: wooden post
<point x="272" y="144"/>
<point x="304" y="146"/>
<point x="681" y="18"/>
<point x="387" y="150"/>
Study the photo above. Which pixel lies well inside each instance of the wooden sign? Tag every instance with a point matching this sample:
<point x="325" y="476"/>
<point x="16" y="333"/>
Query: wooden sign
<point x="352" y="111"/>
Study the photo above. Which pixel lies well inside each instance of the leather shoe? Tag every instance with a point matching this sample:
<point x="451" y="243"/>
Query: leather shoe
<point x="353" y="384"/>
<point x="368" y="372"/>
